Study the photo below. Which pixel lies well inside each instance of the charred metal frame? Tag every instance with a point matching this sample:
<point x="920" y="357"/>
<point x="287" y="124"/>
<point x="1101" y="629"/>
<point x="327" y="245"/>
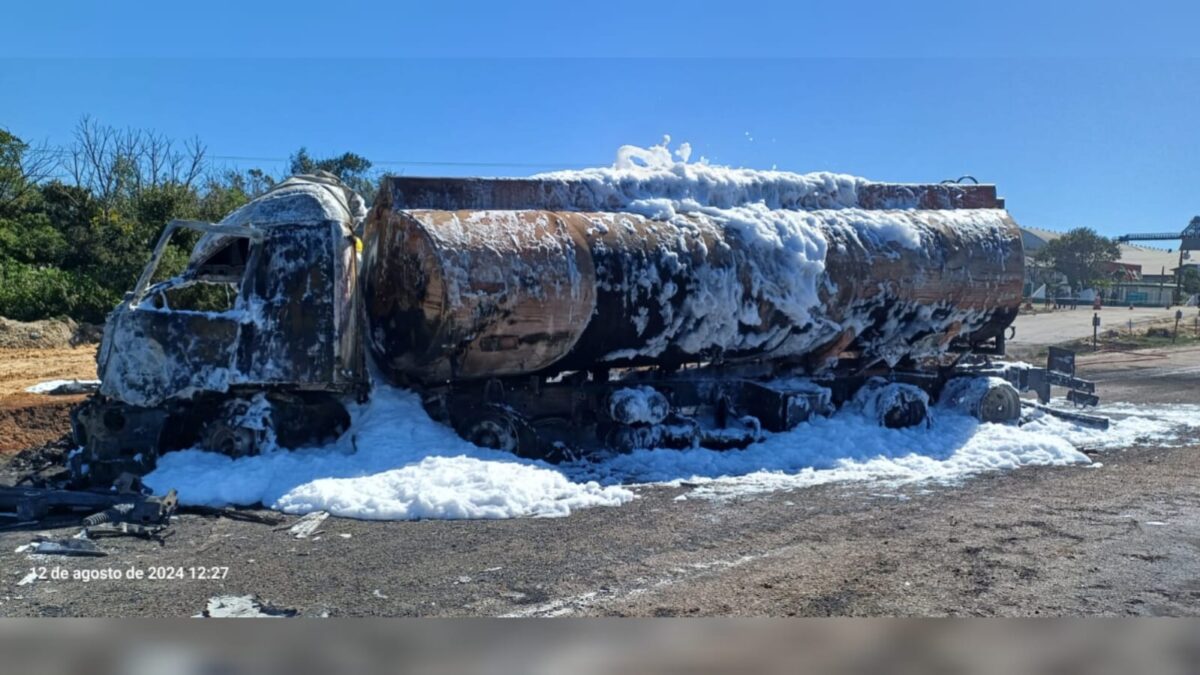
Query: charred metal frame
<point x="169" y="376"/>
<point x="139" y="289"/>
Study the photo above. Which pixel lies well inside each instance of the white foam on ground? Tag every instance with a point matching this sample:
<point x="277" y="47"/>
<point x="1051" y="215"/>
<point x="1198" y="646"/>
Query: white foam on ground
<point x="851" y="447"/>
<point x="398" y="464"/>
<point x="395" y="464"/>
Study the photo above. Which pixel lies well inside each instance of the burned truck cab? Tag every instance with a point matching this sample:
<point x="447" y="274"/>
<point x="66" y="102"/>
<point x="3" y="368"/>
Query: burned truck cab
<point x="255" y="344"/>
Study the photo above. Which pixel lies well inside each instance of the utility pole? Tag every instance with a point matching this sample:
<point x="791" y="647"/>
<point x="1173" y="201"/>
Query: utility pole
<point x="1095" y="331"/>
<point x="1179" y="278"/>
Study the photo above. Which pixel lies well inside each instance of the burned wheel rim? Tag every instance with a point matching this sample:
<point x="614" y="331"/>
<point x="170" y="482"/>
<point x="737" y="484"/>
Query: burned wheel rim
<point x="906" y="411"/>
<point x="234" y="441"/>
<point x="494" y="432"/>
<point x="892" y="404"/>
<point x="500" y="428"/>
<point x="999" y="404"/>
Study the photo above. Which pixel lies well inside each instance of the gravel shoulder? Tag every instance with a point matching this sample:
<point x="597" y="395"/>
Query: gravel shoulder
<point x="1121" y="538"/>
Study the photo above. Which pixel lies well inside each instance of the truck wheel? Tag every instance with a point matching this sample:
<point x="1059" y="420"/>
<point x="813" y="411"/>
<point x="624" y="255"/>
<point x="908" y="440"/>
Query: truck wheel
<point x="556" y="439"/>
<point x="500" y="428"/>
<point x="893" y="404"/>
<point x="233" y="434"/>
<point x="1000" y="404"/>
<point x="988" y="399"/>
<point x="239" y="430"/>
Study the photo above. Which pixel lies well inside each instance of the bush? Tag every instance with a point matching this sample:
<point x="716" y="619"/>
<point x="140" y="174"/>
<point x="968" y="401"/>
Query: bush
<point x="29" y="293"/>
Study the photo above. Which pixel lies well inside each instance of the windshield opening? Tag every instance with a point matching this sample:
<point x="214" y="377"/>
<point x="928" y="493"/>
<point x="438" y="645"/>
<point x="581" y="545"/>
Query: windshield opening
<point x="210" y="282"/>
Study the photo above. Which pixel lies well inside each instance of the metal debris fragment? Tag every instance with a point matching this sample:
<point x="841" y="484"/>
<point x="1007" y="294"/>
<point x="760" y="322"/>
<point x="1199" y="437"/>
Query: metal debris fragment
<point x="68" y="547"/>
<point x="263" y="518"/>
<point x="307" y="526"/>
<point x="242" y="607"/>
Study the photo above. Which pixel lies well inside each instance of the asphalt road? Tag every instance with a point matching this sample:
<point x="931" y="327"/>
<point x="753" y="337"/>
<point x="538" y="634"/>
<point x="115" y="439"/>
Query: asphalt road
<point x="1123" y="538"/>
<point x="1064" y="325"/>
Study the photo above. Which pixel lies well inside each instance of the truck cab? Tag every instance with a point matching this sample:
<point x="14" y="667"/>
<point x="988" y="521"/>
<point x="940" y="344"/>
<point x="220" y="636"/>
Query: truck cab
<point x="262" y="324"/>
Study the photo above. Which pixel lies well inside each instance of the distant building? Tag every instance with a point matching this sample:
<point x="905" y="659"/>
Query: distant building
<point x="1143" y="275"/>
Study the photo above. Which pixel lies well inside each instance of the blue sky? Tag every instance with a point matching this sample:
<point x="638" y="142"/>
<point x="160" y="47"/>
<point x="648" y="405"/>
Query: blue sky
<point x="1094" y="126"/>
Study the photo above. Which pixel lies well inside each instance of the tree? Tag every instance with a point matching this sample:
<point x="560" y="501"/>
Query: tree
<point x="22" y="167"/>
<point x="119" y="167"/>
<point x="1080" y="255"/>
<point x="1191" y="280"/>
<point x="353" y="170"/>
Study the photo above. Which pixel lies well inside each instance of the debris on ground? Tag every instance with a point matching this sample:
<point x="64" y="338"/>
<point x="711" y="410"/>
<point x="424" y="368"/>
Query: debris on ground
<point x="143" y="516"/>
<point x="264" y="518"/>
<point x="69" y="547"/>
<point x="242" y="607"/>
<point x="307" y="526"/>
<point x="31" y="463"/>
<point x="123" y="511"/>
<point x="64" y="387"/>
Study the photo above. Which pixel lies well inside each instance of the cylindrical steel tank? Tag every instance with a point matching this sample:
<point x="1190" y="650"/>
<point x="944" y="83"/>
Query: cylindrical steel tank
<point x="484" y="293"/>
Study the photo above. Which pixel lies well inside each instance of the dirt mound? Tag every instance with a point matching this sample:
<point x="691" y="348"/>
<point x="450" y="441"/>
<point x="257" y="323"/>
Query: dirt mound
<point x="45" y="334"/>
<point x="29" y="420"/>
<point x="20" y="368"/>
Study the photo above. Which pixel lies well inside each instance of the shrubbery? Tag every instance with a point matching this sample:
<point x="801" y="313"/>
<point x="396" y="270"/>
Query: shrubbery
<point x="29" y="293"/>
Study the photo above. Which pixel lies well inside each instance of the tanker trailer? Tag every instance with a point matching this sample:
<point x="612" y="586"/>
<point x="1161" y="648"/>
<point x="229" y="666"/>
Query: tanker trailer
<point x="563" y="316"/>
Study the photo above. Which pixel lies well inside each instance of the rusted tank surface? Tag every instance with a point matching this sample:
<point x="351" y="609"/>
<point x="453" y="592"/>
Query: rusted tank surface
<point x="469" y="294"/>
<point x="509" y="288"/>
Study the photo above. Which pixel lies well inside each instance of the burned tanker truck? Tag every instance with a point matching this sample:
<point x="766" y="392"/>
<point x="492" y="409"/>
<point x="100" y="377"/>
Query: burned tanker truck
<point x="562" y="316"/>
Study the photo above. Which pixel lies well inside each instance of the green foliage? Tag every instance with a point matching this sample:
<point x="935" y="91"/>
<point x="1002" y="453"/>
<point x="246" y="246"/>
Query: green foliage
<point x="353" y="170"/>
<point x="1190" y="281"/>
<point x="29" y="293"/>
<point x="21" y="168"/>
<point x="32" y="238"/>
<point x="1080" y="255"/>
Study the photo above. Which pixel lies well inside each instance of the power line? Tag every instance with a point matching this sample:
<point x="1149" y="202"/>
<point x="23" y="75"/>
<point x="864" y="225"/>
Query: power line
<point x="64" y="152"/>
<point x="415" y="162"/>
